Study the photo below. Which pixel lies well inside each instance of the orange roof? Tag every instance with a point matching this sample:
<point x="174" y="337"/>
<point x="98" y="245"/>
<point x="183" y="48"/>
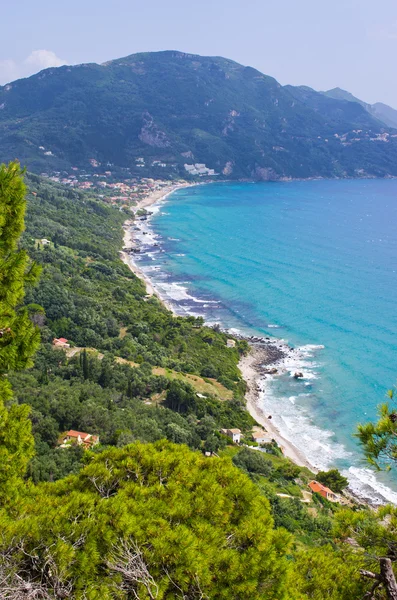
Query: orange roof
<point x="63" y="340"/>
<point x="76" y="434"/>
<point x="315" y="486"/>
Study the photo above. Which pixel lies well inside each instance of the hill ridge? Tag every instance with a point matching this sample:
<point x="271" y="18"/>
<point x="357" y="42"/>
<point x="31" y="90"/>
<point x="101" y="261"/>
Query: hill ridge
<point x="174" y="108"/>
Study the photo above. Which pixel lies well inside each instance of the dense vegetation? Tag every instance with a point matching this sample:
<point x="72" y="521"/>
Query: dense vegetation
<point x="180" y="108"/>
<point x="89" y="296"/>
<point x="148" y="520"/>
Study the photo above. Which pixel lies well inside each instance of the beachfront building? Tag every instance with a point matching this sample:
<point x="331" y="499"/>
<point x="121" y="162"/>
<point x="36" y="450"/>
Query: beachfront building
<point x="233" y="434"/>
<point x="78" y="438"/>
<point x="323" y="490"/>
<point x="261" y="437"/>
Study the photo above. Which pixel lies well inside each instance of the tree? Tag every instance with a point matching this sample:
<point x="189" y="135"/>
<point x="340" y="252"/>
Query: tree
<point x="253" y="461"/>
<point x="333" y="479"/>
<point x="84" y="364"/>
<point x="379" y="440"/>
<point x="149" y="521"/>
<point x="326" y="572"/>
<point x="19" y="338"/>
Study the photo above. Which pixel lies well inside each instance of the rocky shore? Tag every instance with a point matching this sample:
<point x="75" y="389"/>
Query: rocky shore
<point x="261" y="361"/>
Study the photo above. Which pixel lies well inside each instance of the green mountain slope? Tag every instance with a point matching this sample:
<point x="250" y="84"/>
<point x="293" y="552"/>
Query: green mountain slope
<point x="386" y="114"/>
<point x="339" y="94"/>
<point x="181" y="108"/>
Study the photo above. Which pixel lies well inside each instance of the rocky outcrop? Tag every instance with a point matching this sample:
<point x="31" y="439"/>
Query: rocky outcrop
<point x="151" y="134"/>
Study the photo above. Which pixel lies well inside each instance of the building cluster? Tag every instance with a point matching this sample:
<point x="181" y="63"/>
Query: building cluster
<point x="260" y="436"/>
<point x="124" y="192"/>
<point x="199" y="169"/>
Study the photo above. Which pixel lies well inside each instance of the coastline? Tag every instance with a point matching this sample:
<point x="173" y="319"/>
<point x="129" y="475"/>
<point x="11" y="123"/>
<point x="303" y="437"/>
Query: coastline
<point x="264" y="352"/>
<point x="129" y="238"/>
<point x="249" y="365"/>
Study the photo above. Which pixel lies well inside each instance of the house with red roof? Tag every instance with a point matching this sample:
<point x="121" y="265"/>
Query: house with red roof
<point x="323" y="490"/>
<point x="78" y="438"/>
<point x="60" y="343"/>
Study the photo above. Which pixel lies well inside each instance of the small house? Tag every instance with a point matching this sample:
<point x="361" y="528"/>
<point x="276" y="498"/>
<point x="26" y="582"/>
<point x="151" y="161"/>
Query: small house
<point x="323" y="490"/>
<point x="45" y="242"/>
<point x="60" y="343"/>
<point x="261" y="437"/>
<point x="78" y="438"/>
<point x="231" y="343"/>
<point x="233" y="434"/>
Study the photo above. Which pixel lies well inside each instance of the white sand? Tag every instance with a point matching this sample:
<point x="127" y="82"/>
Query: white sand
<point x="128" y="240"/>
<point x="247" y="366"/>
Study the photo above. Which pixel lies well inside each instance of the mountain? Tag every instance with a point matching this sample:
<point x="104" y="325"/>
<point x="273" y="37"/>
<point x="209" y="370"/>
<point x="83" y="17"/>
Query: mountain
<point x="178" y="108"/>
<point x="385" y="113"/>
<point x="380" y="111"/>
<point x="339" y="94"/>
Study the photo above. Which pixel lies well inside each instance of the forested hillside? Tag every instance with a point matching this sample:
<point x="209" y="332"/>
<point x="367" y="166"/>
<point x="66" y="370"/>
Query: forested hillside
<point x="136" y="349"/>
<point x="178" y="108"/>
<point x="138" y="516"/>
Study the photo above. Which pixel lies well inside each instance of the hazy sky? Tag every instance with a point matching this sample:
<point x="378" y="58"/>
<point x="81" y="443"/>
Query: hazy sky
<point x="351" y="44"/>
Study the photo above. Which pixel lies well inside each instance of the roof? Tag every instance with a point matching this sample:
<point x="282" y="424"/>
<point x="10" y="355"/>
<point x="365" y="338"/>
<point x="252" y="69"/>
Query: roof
<point x="315" y="486"/>
<point x="260" y="434"/>
<point x="73" y="433"/>
<point x="62" y="340"/>
<point x="234" y="430"/>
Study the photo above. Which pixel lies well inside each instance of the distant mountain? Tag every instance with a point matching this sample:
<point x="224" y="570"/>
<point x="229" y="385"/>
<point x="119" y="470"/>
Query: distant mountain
<point x="171" y="108"/>
<point x="383" y="112"/>
<point x="339" y="94"/>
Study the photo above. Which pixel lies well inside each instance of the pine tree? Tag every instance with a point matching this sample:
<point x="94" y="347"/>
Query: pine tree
<point x="19" y="338"/>
<point x="84" y="364"/>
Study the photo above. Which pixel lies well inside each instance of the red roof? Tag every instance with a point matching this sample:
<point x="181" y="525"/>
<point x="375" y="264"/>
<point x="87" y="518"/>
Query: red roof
<point x="76" y="434"/>
<point x="315" y="486"/>
<point x="63" y="340"/>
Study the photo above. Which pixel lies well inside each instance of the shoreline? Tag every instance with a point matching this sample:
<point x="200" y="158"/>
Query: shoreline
<point x="129" y="237"/>
<point x="249" y="365"/>
<point x="263" y="353"/>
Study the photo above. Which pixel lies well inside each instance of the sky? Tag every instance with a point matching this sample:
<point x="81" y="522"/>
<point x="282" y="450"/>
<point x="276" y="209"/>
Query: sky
<point x="350" y="44"/>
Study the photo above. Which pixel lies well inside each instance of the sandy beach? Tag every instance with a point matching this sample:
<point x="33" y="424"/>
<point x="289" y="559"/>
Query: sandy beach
<point x="128" y="240"/>
<point x="249" y="367"/>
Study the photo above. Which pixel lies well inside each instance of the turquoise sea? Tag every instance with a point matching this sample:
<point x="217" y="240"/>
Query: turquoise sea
<point x="311" y="262"/>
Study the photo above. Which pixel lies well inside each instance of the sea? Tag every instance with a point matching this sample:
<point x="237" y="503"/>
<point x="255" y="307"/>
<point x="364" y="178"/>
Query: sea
<point x="311" y="263"/>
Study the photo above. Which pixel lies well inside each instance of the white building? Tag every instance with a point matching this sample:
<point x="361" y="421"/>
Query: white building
<point x="233" y="434"/>
<point x="261" y="437"/>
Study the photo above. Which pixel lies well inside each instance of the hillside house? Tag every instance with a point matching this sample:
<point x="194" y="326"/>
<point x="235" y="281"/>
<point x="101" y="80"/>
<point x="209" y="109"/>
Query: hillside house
<point x="60" y="343"/>
<point x="323" y="490"/>
<point x="233" y="434"/>
<point x="231" y="343"/>
<point x="78" y="438"/>
<point x="261" y="437"/>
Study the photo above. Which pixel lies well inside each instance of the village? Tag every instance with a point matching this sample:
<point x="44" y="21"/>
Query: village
<point x="124" y="187"/>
